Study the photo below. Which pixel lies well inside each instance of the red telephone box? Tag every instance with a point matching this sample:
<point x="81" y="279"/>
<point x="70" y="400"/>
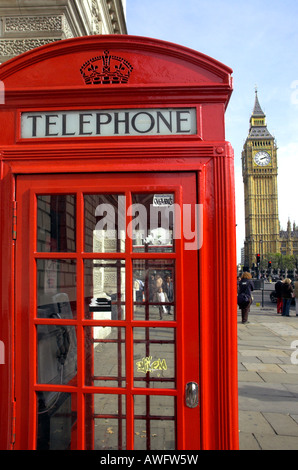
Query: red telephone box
<point x="118" y="287"/>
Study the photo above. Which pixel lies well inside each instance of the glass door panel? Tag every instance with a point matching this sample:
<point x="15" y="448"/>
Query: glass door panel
<point x="107" y="413"/>
<point x="153" y="289"/>
<point x="56" y="288"/>
<point x="56" y="354"/>
<point x="155" y="357"/>
<point x="104" y="223"/>
<point x="56" y="418"/>
<point x="153" y="222"/>
<point x="105" y="363"/>
<point x="104" y="282"/>
<point x="155" y="422"/>
<point x="56" y="223"/>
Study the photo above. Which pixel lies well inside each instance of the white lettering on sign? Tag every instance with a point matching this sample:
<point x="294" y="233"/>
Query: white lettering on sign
<point x="88" y="123"/>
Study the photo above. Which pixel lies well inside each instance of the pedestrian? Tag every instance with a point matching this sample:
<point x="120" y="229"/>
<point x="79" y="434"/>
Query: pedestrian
<point x="169" y="290"/>
<point x="287" y="295"/>
<point x="161" y="297"/>
<point x="244" y="298"/>
<point x="278" y="290"/>
<point x="158" y="282"/>
<point x="151" y="287"/>
<point x="296" y="294"/>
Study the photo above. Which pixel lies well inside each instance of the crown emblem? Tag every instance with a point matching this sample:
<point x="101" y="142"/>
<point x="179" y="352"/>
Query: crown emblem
<point x="106" y="69"/>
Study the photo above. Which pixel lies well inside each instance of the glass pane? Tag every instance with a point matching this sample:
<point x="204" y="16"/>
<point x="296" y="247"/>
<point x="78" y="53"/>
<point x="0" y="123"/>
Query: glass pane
<point x="56" y="288"/>
<point x="56" y="420"/>
<point x="104" y="289"/>
<point x="155" y="427"/>
<point x="154" y="357"/>
<point x="152" y="226"/>
<point x="56" y="223"/>
<point x="154" y="290"/>
<point x="105" y="422"/>
<point x="104" y="223"/>
<point x="105" y="356"/>
<point x="57" y="354"/>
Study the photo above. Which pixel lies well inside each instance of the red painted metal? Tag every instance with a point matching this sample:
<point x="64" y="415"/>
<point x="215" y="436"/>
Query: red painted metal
<point x="166" y="76"/>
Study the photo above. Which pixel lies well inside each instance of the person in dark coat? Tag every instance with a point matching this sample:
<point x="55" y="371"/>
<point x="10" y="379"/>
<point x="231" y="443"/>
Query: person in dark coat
<point x="278" y="290"/>
<point x="287" y="294"/>
<point x="244" y="295"/>
<point x="169" y="290"/>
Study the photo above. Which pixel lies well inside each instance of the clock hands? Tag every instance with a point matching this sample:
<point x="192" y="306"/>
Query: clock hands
<point x="262" y="158"/>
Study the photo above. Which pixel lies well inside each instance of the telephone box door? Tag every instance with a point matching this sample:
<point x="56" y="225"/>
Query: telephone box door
<point x="107" y="323"/>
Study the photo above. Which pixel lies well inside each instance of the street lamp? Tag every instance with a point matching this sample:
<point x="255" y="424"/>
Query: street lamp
<point x="261" y="251"/>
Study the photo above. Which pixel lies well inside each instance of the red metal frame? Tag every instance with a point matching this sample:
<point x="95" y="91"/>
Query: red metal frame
<point x="164" y="75"/>
<point x="186" y="324"/>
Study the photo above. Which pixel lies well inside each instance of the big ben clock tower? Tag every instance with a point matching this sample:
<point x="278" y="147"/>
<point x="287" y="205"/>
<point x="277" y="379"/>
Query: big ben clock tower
<point x="259" y="171"/>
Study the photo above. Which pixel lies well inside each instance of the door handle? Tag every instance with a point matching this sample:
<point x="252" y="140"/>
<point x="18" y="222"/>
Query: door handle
<point x="192" y="394"/>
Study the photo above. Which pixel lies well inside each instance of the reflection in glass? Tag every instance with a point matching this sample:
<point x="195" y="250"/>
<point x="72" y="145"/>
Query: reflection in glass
<point x="154" y="423"/>
<point x="56" y="354"/>
<point x="104" y="223"/>
<point x="56" y="223"/>
<point x="154" y="290"/>
<point x="56" y="421"/>
<point x="56" y="288"/>
<point x="105" y="422"/>
<point x="153" y="217"/>
<point x="104" y="289"/>
<point x="105" y="356"/>
<point x="154" y="357"/>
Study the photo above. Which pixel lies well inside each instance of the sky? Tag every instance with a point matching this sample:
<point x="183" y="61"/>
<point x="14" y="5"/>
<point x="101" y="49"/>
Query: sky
<point x="259" y="41"/>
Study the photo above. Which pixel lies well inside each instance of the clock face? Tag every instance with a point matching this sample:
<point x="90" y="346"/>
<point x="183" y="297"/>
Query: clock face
<point x="262" y="158"/>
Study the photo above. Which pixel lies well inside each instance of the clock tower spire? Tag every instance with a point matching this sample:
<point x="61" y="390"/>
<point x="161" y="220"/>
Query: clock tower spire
<point x="259" y="171"/>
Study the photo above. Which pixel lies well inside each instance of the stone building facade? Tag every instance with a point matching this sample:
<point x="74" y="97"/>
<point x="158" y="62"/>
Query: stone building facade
<point x="27" y="24"/>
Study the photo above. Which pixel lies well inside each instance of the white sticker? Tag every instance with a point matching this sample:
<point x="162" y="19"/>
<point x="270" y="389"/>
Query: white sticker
<point x="163" y="200"/>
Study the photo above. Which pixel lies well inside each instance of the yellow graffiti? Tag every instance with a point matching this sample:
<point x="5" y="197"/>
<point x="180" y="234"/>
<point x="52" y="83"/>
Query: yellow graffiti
<point x="147" y="365"/>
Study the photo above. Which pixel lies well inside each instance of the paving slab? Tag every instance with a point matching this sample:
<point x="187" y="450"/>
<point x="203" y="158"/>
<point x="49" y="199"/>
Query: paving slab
<point x="269" y="442"/>
<point x="278" y="378"/>
<point x="248" y="376"/>
<point x="263" y="353"/>
<point x="260" y="367"/>
<point x="290" y="368"/>
<point x="261" y="390"/>
<point x="247" y="441"/>
<point x="254" y="422"/>
<point x="282" y="424"/>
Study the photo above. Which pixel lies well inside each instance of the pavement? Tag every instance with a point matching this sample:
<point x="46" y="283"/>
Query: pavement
<point x="268" y="380"/>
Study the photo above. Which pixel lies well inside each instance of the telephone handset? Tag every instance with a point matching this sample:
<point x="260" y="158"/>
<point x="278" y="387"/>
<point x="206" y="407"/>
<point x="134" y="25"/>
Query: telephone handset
<point x="63" y="343"/>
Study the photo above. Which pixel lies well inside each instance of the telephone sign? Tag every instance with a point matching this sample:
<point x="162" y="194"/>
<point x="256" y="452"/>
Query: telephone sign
<point x="108" y="123"/>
